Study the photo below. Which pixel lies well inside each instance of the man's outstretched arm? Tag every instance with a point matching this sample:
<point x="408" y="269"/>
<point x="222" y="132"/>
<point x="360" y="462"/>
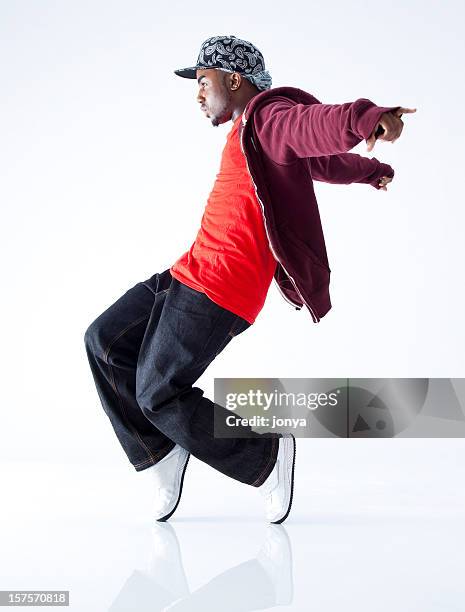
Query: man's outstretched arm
<point x="289" y="131"/>
<point x="346" y="168"/>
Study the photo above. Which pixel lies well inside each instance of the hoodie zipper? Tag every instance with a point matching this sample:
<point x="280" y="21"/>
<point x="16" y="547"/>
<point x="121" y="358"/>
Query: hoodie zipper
<point x="312" y="312"/>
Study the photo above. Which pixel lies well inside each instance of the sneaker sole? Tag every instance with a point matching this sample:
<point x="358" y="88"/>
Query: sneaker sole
<point x="292" y="487"/>
<point x="167" y="516"/>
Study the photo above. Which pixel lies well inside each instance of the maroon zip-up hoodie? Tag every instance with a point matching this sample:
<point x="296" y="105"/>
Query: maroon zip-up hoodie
<point x="289" y="139"/>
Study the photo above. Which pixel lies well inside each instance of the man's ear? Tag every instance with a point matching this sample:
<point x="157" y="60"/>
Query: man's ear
<point x="234" y="80"/>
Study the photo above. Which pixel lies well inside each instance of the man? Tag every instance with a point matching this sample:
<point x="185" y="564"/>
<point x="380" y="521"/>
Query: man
<point x="260" y="223"/>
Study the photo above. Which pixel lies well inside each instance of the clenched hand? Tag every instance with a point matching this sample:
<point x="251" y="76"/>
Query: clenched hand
<point x="389" y="126"/>
<point x="383" y="181"/>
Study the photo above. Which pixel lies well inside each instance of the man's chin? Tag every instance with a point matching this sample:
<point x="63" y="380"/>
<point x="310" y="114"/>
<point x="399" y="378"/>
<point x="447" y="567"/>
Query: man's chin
<point x="216" y="121"/>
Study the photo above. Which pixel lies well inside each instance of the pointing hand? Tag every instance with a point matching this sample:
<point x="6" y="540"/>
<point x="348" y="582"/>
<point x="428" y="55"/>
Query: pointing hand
<point x="389" y="126"/>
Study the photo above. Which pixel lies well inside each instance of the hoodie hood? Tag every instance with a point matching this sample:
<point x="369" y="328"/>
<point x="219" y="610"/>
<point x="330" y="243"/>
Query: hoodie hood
<point x="296" y="95"/>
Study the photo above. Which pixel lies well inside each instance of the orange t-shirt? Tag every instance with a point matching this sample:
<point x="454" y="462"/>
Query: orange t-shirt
<point x="230" y="260"/>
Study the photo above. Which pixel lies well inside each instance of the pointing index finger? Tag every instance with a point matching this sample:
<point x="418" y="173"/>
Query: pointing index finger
<point x="400" y="111"/>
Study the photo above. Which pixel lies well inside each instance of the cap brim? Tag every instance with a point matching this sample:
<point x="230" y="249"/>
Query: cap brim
<point x="188" y="73"/>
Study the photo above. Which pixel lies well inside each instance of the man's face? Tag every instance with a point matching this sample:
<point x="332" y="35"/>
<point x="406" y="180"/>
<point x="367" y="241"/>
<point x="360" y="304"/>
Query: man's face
<point x="214" y="96"/>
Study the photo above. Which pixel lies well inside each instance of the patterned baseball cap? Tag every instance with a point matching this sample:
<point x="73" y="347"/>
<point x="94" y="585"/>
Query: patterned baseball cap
<point x="230" y="54"/>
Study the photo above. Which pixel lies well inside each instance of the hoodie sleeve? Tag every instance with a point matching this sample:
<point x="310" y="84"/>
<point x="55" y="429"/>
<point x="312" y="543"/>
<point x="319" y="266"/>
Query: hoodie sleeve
<point x="288" y="131"/>
<point x="348" y="168"/>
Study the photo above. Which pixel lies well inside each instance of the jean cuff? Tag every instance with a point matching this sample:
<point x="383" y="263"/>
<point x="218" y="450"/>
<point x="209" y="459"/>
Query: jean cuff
<point x="272" y="455"/>
<point x="156" y="457"/>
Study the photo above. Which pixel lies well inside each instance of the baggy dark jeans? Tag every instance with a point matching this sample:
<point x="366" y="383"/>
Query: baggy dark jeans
<point x="145" y="352"/>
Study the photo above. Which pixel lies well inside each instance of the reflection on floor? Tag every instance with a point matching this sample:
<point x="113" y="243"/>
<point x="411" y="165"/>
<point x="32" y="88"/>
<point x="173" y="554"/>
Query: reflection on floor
<point x="385" y="544"/>
<point x="262" y="582"/>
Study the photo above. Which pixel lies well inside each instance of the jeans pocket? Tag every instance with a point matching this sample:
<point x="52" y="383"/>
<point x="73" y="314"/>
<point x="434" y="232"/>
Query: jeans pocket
<point x="159" y="282"/>
<point x="165" y="281"/>
<point x="238" y="326"/>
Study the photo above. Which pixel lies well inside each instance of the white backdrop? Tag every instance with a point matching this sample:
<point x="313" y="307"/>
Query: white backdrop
<point x="106" y="164"/>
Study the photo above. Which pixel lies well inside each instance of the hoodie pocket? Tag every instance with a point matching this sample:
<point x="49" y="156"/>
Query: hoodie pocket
<point x="305" y="249"/>
<point x="306" y="260"/>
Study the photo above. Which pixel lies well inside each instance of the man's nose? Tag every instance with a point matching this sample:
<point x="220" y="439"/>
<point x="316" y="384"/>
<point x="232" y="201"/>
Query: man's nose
<point x="199" y="97"/>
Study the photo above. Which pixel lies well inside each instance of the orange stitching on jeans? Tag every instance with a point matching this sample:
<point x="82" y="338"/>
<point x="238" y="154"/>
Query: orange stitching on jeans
<point x="113" y="383"/>
<point x="123" y="410"/>
<point x="258" y="480"/>
<point x="146" y="462"/>
<point x="133" y="324"/>
<point x="158" y="455"/>
<point x="233" y="327"/>
<point x="226" y="339"/>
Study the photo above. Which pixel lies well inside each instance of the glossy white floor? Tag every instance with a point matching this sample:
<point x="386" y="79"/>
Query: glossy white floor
<point x="375" y="524"/>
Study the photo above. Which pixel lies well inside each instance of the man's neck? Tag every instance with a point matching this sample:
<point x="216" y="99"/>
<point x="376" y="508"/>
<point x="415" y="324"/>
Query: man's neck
<point x="239" y="109"/>
<point x="237" y="112"/>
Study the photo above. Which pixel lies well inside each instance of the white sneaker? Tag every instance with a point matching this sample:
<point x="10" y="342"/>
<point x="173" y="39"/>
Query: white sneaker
<point x="168" y="476"/>
<point x="278" y="488"/>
